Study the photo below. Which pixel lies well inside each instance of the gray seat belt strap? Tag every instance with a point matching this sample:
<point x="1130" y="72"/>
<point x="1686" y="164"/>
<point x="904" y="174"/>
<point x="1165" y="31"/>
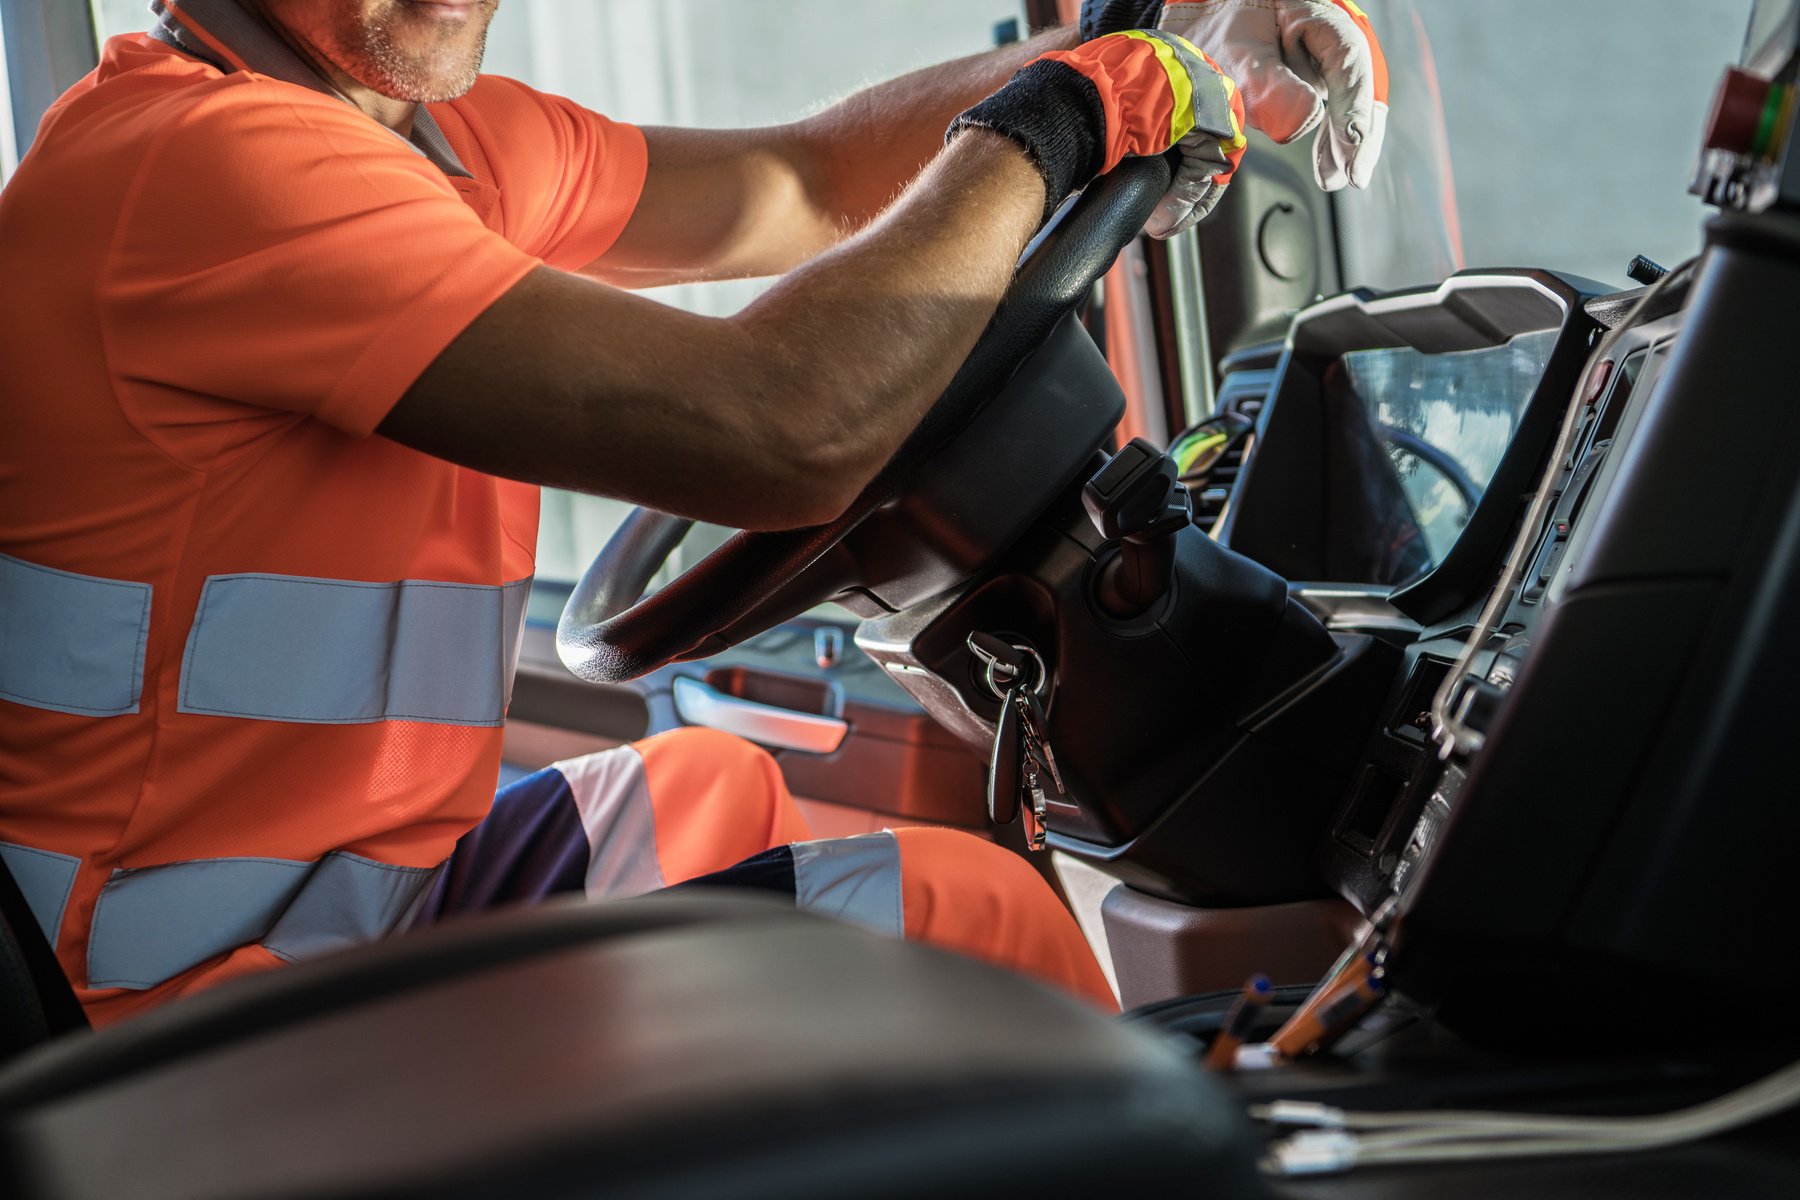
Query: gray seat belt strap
<point x="263" y="51"/>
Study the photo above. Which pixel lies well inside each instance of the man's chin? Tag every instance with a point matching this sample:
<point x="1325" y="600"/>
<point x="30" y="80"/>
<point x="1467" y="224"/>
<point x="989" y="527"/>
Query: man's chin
<point x="420" y="60"/>
<point x="433" y="95"/>
<point x="419" y="86"/>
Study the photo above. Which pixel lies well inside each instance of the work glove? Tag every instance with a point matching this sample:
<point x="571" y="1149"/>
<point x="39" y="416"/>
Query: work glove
<point x="1079" y="113"/>
<point x="1101" y="17"/>
<point x="1296" y="61"/>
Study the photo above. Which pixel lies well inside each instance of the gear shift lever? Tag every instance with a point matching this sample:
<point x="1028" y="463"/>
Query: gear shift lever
<point x="1138" y="501"/>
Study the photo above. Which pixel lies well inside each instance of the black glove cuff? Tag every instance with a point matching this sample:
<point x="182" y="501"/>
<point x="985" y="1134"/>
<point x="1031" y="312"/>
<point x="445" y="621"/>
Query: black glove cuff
<point x="1101" y="17"/>
<point x="1054" y="113"/>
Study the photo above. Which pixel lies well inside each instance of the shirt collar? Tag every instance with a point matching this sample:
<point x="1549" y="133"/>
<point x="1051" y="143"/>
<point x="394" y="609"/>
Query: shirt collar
<point x="224" y="35"/>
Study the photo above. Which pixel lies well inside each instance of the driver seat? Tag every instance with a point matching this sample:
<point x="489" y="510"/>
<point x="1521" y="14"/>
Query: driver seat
<point x="36" y="1002"/>
<point x="676" y="1045"/>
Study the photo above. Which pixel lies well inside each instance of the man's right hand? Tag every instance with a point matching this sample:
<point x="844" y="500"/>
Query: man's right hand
<point x="1079" y="113"/>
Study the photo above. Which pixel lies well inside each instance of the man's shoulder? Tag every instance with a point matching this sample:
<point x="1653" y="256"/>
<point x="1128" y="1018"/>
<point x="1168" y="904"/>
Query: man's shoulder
<point x="142" y="71"/>
<point x="228" y="162"/>
<point x="145" y="95"/>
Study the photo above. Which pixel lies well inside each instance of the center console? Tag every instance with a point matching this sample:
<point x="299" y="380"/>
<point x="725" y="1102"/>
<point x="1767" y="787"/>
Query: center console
<point x="1574" y="833"/>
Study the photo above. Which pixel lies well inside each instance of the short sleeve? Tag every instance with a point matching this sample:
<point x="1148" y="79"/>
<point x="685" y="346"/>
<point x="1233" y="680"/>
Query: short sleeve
<point x="282" y="251"/>
<point x="569" y="178"/>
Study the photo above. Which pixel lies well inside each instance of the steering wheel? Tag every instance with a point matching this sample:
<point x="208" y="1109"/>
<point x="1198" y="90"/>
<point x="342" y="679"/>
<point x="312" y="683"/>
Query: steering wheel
<point x="610" y="632"/>
<point x="1437" y="459"/>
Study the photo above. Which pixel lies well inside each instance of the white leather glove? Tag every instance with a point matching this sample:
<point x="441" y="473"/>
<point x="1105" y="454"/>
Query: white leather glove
<point x="1295" y="62"/>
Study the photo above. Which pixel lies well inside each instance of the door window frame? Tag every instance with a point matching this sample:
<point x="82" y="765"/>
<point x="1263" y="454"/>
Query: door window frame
<point x="50" y="46"/>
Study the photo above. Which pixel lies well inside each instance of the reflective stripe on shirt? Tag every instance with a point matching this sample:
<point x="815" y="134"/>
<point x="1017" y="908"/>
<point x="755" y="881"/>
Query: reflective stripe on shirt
<point x="267" y="647"/>
<point x="71" y="643"/>
<point x="153" y="923"/>
<point x="45" y="878"/>
<point x="336" y="652"/>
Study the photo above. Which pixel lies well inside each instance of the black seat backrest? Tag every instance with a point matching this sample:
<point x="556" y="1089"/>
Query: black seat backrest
<point x="695" y="1044"/>
<point x="36" y="1002"/>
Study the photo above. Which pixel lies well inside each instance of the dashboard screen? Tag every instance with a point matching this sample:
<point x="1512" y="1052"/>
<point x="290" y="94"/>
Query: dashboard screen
<point x="1418" y="438"/>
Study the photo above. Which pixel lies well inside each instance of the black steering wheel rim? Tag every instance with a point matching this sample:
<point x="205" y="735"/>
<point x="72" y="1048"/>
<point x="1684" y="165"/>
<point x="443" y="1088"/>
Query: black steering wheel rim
<point x="609" y="633"/>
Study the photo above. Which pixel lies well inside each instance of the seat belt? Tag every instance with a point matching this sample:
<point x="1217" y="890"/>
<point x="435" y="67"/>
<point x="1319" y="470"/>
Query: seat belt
<point x="261" y="49"/>
<point x="36" y="1001"/>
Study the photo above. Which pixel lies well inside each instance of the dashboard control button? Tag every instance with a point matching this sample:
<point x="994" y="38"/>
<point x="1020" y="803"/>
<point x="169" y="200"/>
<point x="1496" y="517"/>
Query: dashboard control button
<point x="1737" y="114"/>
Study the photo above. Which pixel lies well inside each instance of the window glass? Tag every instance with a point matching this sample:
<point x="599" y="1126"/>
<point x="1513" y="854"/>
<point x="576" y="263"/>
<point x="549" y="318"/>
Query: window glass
<point x="1562" y="135"/>
<point x="113" y="17"/>
<point x="9" y="147"/>
<point x="682" y="62"/>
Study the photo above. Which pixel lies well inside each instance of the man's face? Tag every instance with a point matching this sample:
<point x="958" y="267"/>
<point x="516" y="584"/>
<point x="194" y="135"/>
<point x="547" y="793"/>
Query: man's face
<point x="420" y="50"/>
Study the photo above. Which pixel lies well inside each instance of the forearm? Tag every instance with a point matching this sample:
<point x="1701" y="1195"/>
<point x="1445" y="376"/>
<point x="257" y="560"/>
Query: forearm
<point x="870" y="145"/>
<point x="858" y="343"/>
<point x="730" y="204"/>
<point x="774" y="418"/>
<point x="780" y="416"/>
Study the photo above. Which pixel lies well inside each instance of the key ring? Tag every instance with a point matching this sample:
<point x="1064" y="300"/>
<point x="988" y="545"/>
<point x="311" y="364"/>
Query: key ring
<point x="1033" y="658"/>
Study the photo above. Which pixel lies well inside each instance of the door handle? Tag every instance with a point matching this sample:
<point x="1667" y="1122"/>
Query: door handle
<point x="698" y="703"/>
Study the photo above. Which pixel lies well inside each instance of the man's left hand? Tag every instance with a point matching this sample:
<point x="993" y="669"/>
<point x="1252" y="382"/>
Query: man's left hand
<point x="1295" y="61"/>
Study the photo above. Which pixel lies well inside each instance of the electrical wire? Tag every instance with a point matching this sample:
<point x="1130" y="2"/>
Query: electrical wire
<point x="1333" y="1139"/>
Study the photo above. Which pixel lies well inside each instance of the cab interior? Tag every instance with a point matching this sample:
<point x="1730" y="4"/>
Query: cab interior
<point x="1371" y="597"/>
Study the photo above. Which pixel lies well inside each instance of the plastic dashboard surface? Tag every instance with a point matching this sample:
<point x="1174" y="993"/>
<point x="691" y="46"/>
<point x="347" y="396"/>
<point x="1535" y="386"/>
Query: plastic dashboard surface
<point x="1579" y="484"/>
<point x="1390" y="818"/>
<point x="1402" y="431"/>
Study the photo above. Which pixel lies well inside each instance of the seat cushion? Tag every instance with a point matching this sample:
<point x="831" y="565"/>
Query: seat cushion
<point x="729" y="1046"/>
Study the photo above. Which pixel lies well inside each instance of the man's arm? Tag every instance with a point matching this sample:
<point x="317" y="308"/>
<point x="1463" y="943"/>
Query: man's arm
<point x="727" y="204"/>
<point x="780" y="416"/>
<point x="774" y="418"/>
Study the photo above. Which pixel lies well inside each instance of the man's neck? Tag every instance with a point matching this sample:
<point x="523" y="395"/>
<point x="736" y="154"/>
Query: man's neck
<point x="395" y="114"/>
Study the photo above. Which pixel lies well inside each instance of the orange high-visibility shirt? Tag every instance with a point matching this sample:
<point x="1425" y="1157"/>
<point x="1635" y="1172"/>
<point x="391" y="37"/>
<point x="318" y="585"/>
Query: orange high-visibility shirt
<point x="253" y="661"/>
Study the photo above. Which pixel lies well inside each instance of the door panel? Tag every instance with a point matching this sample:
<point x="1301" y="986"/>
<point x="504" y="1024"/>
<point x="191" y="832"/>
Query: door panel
<point x="895" y="765"/>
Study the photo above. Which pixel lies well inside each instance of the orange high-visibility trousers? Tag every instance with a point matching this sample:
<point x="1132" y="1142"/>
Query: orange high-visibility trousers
<point x="701" y="808"/>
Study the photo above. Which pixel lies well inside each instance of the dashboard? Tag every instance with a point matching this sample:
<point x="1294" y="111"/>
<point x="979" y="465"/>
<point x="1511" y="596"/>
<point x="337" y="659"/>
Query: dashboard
<point x="1398" y="441"/>
<point x="1565" y="770"/>
<point x="1406" y="792"/>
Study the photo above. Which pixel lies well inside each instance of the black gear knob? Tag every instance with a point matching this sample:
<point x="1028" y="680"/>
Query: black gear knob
<point x="1137" y="500"/>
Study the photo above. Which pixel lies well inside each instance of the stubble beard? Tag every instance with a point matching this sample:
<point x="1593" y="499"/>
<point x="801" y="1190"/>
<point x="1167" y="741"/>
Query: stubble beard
<point x="441" y="70"/>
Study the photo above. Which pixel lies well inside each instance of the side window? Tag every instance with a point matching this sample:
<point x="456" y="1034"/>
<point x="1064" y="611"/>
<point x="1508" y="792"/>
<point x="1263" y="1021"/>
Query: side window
<point x="686" y="63"/>
<point x="9" y="147"/>
<point x="113" y="17"/>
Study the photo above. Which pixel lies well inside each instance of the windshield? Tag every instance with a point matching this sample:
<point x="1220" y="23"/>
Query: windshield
<point x="1538" y="133"/>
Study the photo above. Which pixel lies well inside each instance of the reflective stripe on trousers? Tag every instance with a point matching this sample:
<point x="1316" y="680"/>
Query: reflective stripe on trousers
<point x="852" y="879"/>
<point x="689" y="804"/>
<point x="152" y="923"/>
<point x="267" y="647"/>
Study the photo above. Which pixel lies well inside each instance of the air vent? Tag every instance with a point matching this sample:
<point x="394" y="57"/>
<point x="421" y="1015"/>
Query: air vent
<point x="1221" y="482"/>
<point x="1242" y="393"/>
